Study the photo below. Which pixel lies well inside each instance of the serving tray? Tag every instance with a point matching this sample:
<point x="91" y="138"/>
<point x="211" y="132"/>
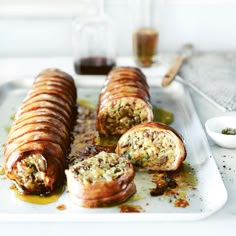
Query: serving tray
<point x="203" y="198"/>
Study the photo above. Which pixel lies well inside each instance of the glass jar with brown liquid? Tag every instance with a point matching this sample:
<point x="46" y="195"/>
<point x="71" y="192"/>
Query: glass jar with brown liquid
<point x="94" y="46"/>
<point x="145" y="42"/>
<point x="145" y="33"/>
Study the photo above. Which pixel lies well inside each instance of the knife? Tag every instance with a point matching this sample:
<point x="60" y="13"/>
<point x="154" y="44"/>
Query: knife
<point x="184" y="54"/>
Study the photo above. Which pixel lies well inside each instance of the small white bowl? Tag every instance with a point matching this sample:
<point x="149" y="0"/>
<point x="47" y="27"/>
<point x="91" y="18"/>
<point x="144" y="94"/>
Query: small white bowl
<point x="214" y="127"/>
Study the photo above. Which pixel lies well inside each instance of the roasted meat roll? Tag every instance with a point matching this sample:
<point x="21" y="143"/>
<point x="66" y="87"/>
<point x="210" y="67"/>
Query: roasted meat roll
<point x="100" y="181"/>
<point x="152" y="146"/>
<point x="39" y="140"/>
<point x="123" y="102"/>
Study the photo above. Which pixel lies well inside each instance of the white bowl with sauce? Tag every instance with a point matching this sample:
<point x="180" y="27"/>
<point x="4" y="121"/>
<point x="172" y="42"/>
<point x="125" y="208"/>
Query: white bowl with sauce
<point x="214" y="127"/>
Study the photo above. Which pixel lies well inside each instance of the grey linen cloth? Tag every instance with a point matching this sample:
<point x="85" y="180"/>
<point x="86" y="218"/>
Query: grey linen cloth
<point x="214" y="76"/>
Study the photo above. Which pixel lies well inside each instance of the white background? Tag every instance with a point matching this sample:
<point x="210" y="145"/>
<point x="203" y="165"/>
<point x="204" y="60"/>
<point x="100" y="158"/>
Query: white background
<point x="44" y="28"/>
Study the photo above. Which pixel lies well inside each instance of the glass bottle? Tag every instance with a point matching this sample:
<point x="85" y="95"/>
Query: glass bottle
<point x="145" y="36"/>
<point x="94" y="46"/>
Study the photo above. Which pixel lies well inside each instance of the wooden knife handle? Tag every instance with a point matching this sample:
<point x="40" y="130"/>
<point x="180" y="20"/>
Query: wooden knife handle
<point x="173" y="71"/>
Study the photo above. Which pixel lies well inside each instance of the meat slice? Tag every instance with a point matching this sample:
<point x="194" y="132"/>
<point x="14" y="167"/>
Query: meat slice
<point x="152" y="146"/>
<point x="124" y="101"/>
<point x="100" y="181"/>
<point x="39" y="140"/>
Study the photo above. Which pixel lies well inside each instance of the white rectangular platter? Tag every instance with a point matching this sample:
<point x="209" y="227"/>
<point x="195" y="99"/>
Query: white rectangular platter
<point x="208" y="197"/>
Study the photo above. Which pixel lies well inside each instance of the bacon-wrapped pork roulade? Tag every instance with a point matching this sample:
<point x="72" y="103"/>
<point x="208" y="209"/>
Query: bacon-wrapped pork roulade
<point x="123" y="102"/>
<point x="100" y="181"/>
<point x="152" y="146"/>
<point x="39" y="140"/>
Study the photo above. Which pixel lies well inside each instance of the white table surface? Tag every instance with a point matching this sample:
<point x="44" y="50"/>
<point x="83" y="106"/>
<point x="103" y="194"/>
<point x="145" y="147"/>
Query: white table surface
<point x="221" y="223"/>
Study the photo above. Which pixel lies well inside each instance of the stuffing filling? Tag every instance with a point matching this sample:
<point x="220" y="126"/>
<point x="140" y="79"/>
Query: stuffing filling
<point x="101" y="167"/>
<point x="125" y="113"/>
<point x="31" y="172"/>
<point x="148" y="149"/>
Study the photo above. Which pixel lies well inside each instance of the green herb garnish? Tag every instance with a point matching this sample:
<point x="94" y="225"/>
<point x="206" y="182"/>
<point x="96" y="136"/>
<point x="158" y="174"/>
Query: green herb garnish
<point x="229" y="131"/>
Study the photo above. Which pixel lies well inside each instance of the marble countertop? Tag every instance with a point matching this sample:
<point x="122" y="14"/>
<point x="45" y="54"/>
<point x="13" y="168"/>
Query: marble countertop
<point x="222" y="222"/>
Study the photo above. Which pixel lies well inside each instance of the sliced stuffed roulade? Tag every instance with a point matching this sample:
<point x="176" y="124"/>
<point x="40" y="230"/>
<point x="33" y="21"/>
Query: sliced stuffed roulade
<point x="39" y="140"/>
<point x="152" y="146"/>
<point x="100" y="181"/>
<point x="123" y="102"/>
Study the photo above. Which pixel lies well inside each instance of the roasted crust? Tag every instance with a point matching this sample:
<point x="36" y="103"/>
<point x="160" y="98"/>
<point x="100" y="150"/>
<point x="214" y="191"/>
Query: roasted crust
<point x="102" y="180"/>
<point x="153" y="146"/>
<point x="108" y="201"/>
<point x="124" y="101"/>
<point x="39" y="140"/>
